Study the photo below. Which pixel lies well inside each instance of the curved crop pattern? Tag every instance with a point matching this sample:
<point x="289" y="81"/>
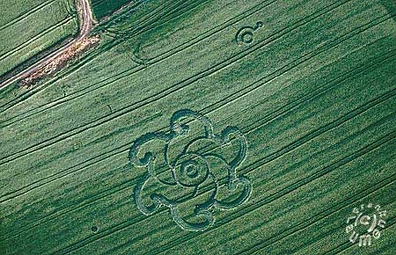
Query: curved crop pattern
<point x="188" y="170"/>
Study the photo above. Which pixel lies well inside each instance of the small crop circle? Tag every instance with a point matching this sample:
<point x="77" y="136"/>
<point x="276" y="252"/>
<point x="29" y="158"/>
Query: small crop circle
<point x="193" y="170"/>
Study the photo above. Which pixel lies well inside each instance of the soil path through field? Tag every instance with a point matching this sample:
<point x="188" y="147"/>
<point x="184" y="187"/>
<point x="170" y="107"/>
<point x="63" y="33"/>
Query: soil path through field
<point x="87" y="21"/>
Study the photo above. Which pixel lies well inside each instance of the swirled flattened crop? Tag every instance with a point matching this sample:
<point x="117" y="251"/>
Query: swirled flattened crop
<point x="190" y="173"/>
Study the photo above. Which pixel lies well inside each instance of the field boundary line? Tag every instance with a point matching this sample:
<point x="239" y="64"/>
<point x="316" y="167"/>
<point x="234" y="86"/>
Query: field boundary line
<point x="389" y="223"/>
<point x="131" y="71"/>
<point x="246" y="170"/>
<point x="340" y="206"/>
<point x="241" y="212"/>
<point x="160" y="95"/>
<point x="22" y="46"/>
<point x="280" y="111"/>
<point x="86" y="25"/>
<point x="38" y="89"/>
<point x="286" y="191"/>
<point x="26" y="14"/>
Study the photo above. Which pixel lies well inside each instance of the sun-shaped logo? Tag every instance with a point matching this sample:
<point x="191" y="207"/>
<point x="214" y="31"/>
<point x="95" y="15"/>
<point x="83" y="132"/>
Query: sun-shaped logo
<point x="365" y="223"/>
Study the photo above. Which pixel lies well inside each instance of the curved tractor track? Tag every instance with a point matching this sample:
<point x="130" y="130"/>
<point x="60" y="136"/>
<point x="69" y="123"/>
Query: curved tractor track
<point x="87" y="21"/>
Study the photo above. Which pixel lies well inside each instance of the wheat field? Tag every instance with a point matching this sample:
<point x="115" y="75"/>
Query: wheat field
<point x="208" y="127"/>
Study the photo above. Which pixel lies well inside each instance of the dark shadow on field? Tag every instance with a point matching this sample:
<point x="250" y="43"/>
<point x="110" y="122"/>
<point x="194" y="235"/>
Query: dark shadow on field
<point x="390" y="6"/>
<point x="2" y="241"/>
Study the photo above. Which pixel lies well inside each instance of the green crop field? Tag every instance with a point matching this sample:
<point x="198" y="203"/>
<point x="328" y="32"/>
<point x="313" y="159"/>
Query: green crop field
<point x="103" y="8"/>
<point x="29" y="27"/>
<point x="210" y="127"/>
